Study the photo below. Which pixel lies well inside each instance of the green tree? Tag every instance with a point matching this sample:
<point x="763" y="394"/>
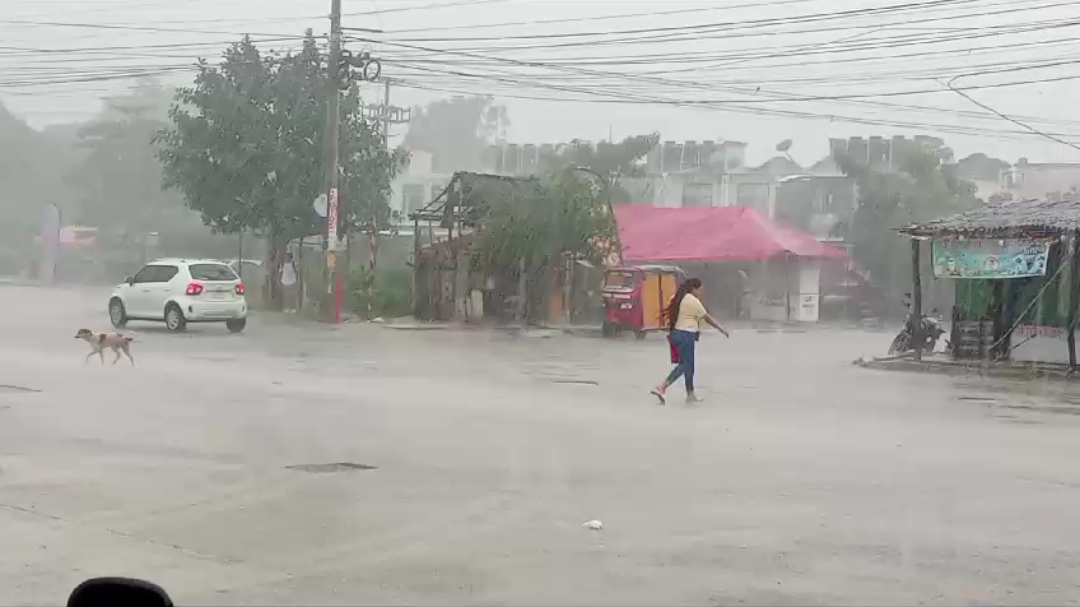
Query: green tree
<point x="614" y="161"/>
<point x="982" y="167"/>
<point x="245" y="148"/>
<point x="534" y="227"/>
<point x="456" y="131"/>
<point x="926" y="186"/>
<point x="30" y="163"/>
<point x="119" y="178"/>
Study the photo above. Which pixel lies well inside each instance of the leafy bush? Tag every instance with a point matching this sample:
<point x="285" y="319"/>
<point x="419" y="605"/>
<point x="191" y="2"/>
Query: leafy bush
<point x="391" y="292"/>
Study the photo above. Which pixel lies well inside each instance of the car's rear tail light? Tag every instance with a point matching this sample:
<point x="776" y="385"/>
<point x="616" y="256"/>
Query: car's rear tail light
<point x="240" y="288"/>
<point x="194" y="288"/>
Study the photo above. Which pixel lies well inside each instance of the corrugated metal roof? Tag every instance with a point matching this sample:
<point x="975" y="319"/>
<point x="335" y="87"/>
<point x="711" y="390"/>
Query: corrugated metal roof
<point x="467" y="190"/>
<point x="1008" y="219"/>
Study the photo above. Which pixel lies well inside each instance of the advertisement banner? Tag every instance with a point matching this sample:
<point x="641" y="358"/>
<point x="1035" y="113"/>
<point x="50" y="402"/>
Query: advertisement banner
<point x="990" y="258"/>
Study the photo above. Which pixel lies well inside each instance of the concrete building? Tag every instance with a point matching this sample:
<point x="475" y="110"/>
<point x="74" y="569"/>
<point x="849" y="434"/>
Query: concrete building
<point x="416" y="186"/>
<point x="1042" y="180"/>
<point x="707" y="174"/>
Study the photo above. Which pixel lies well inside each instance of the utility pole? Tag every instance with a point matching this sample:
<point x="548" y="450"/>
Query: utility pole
<point x="386" y="113"/>
<point x="334" y="277"/>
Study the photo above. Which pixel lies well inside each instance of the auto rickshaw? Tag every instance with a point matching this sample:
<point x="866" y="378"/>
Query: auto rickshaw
<point x="635" y="298"/>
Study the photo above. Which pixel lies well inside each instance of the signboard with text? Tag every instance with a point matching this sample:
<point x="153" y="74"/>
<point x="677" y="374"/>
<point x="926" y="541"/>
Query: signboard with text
<point x="332" y="222"/>
<point x="987" y="258"/>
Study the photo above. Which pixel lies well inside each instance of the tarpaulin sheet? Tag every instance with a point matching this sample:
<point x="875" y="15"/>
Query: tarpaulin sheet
<point x="649" y="233"/>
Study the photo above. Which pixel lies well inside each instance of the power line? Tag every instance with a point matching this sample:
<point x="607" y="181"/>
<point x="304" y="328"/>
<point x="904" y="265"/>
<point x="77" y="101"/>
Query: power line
<point x="922" y="126"/>
<point x="535" y="64"/>
<point x="742" y="29"/>
<point x="619" y="87"/>
<point x="862" y="12"/>
<point x="732" y="61"/>
<point x="668" y="13"/>
<point x="424" y="7"/>
<point x="950" y="86"/>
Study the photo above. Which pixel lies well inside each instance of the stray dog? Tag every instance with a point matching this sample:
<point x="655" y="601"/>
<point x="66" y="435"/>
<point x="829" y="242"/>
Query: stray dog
<point x="99" y="341"/>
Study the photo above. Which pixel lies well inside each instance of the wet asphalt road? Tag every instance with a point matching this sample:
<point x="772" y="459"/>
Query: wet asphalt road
<point x="801" y="480"/>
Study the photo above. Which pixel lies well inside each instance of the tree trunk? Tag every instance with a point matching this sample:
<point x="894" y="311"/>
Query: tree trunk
<point x="276" y="245"/>
<point x="916" y="299"/>
<point x="522" y="293"/>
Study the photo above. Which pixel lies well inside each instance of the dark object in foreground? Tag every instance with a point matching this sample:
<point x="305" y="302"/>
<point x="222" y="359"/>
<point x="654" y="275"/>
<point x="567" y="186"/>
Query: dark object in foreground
<point x="118" y="592"/>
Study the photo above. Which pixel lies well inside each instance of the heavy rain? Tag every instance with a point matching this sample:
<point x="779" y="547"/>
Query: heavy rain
<point x="514" y="302"/>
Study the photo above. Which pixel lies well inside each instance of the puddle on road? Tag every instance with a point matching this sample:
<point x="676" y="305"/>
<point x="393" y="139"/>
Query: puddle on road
<point x="1016" y="421"/>
<point x="331" y="468"/>
<point x="213" y="359"/>
<point x="8" y="388"/>
<point x="565" y="373"/>
<point x="1020" y="403"/>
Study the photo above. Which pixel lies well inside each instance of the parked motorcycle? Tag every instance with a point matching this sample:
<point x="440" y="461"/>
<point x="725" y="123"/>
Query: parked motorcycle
<point x="931" y="330"/>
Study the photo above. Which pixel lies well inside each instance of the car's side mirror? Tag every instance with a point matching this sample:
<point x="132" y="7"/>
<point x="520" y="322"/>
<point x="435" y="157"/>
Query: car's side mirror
<point x="129" y="280"/>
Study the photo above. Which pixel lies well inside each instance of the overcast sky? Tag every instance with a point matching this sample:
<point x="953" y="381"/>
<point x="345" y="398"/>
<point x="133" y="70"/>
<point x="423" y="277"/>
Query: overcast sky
<point x="758" y="72"/>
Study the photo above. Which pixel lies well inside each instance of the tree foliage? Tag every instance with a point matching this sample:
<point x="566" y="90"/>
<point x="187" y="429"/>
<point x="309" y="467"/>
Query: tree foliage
<point x="926" y="186"/>
<point x="245" y="147"/>
<point x="982" y="167"/>
<point x="539" y="225"/>
<point x="119" y="179"/>
<point x="614" y="161"/>
<point x="30" y="166"/>
<point x="456" y="131"/>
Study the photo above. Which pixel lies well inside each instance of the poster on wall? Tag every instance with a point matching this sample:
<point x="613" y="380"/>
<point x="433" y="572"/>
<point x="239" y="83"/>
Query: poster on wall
<point x="990" y="258"/>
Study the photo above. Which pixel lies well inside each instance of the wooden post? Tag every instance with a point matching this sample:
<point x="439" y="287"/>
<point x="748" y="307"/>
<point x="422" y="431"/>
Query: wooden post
<point x="787" y="286"/>
<point x="916" y="299"/>
<point x="1074" y="297"/>
<point x="523" y="293"/>
<point x="299" y="276"/>
<point x="568" y="291"/>
<point x="415" y="286"/>
<point x="999" y="311"/>
<point x="453" y="259"/>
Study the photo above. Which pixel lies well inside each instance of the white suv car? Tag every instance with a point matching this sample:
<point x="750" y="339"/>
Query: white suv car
<point x="179" y="291"/>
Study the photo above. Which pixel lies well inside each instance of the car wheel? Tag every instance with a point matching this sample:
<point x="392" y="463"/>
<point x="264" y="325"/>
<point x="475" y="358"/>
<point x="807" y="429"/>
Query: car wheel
<point x="174" y="318"/>
<point x="236" y="325"/>
<point x="117" y="313"/>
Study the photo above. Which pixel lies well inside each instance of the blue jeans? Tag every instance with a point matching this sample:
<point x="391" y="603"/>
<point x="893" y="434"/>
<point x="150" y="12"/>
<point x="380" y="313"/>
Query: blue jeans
<point x="685" y="342"/>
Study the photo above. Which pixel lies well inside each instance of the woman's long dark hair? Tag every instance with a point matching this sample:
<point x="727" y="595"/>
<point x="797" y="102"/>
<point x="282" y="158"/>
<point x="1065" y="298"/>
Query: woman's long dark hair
<point x="672" y="311"/>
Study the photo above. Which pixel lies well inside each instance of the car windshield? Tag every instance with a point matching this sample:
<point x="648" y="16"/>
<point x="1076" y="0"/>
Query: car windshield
<point x="212" y="272"/>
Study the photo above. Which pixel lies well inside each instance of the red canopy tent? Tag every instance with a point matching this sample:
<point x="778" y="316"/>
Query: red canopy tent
<point x="702" y="234"/>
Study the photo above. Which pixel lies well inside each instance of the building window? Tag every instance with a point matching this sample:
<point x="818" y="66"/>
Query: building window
<point x="823" y="202"/>
<point x="697" y="195"/>
<point x="752" y="195"/>
<point x="412" y="197"/>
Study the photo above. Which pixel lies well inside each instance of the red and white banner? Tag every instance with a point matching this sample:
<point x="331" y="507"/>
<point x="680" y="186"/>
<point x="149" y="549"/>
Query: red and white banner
<point x="332" y="212"/>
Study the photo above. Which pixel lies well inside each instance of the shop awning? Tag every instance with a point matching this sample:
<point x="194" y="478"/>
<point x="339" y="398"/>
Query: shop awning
<point x="702" y="234"/>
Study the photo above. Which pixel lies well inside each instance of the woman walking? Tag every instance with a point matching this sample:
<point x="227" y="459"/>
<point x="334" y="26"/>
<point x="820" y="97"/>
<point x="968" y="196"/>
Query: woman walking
<point x="685" y="315"/>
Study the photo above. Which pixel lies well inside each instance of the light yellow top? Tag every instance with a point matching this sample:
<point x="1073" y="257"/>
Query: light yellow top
<point x="691" y="314"/>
